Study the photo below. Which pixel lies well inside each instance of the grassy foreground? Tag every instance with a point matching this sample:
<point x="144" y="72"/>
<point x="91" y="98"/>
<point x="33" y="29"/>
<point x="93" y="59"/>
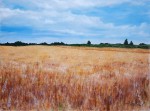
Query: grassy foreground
<point x="74" y="78"/>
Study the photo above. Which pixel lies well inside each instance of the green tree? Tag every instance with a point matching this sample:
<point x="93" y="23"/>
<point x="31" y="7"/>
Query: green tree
<point x="131" y="43"/>
<point x="126" y="42"/>
<point x="142" y="44"/>
<point x="89" y="42"/>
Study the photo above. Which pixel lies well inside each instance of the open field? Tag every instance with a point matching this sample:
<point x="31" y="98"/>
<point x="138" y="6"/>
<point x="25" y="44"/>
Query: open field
<point x="74" y="78"/>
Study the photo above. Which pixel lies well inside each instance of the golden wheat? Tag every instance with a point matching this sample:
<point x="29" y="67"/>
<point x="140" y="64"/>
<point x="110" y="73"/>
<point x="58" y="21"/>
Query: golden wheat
<point x="74" y="78"/>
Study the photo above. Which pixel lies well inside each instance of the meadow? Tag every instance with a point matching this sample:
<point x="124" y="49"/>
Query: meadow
<point x="67" y="78"/>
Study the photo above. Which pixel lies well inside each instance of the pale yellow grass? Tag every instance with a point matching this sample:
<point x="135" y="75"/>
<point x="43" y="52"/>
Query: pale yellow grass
<point x="76" y="58"/>
<point x="74" y="78"/>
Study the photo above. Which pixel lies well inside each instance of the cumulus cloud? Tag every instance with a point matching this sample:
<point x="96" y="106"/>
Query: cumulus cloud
<point x="56" y="16"/>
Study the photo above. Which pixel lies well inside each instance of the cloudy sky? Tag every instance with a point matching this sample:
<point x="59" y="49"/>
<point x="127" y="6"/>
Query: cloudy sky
<point x="75" y="21"/>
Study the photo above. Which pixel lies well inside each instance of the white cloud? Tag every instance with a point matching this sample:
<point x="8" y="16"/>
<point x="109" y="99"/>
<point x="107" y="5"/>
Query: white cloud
<point x="56" y="16"/>
<point x="5" y="13"/>
<point x="68" y="4"/>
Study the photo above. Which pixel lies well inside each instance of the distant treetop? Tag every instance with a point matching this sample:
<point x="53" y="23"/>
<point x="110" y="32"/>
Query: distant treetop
<point x="89" y="42"/>
<point x="126" y="42"/>
<point x="131" y="43"/>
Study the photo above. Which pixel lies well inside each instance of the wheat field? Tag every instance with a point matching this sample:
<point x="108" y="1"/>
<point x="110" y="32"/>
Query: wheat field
<point x="65" y="78"/>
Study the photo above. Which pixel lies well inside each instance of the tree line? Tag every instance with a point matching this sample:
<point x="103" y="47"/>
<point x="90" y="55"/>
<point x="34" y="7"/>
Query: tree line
<point x="19" y="43"/>
<point x="125" y="44"/>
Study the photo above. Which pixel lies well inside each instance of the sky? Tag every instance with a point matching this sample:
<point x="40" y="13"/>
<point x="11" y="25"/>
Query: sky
<point x="75" y="21"/>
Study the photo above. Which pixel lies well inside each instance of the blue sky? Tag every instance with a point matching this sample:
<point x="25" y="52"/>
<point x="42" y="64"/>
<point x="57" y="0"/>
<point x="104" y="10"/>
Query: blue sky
<point x="75" y="21"/>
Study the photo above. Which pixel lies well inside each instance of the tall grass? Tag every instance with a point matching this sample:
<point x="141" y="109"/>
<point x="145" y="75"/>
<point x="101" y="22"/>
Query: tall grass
<point x="29" y="87"/>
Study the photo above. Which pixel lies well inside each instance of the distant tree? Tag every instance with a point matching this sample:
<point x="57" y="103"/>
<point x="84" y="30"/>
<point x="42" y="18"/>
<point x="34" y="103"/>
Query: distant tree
<point x="126" y="42"/>
<point x="19" y="43"/>
<point x="101" y="43"/>
<point x="7" y="43"/>
<point x="89" y="42"/>
<point x="131" y="43"/>
<point x="58" y="43"/>
<point x="32" y="43"/>
<point x="62" y="43"/>
<point x="44" y="43"/>
<point x="142" y="44"/>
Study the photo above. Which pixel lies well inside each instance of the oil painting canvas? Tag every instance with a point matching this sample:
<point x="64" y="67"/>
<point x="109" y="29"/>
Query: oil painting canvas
<point x="74" y="55"/>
